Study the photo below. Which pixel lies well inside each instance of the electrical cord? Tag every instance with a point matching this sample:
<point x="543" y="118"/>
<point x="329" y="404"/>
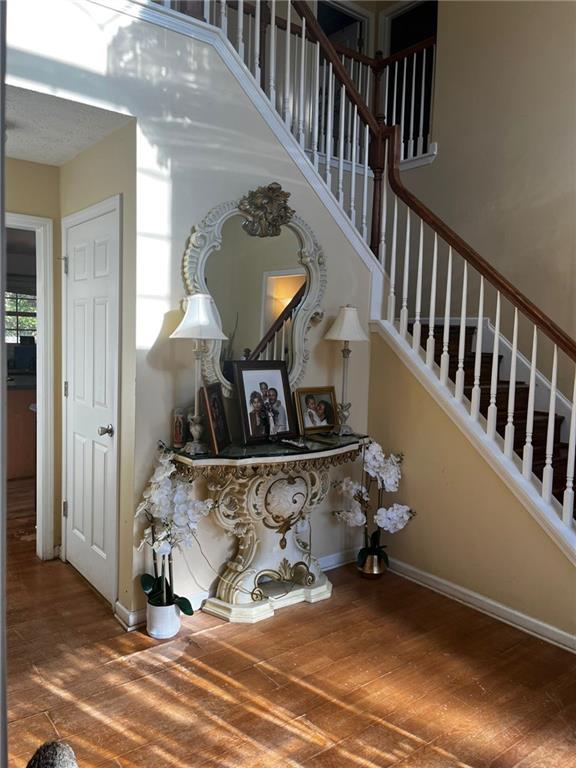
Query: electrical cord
<point x="242" y="589"/>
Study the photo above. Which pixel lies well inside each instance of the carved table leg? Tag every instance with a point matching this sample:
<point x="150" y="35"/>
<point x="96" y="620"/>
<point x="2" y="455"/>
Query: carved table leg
<point x="273" y="565"/>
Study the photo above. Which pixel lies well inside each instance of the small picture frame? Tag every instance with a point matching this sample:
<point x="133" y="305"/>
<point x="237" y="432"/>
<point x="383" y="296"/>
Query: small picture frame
<point x="317" y="409"/>
<point x="265" y="400"/>
<point x="216" y="423"/>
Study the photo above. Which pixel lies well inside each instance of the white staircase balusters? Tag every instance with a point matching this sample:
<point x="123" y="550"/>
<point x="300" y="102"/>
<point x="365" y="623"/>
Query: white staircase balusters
<point x="329" y="121"/>
<point x="302" y="85"/>
<point x="430" y="344"/>
<point x="392" y="275"/>
<point x="323" y="107"/>
<point x="459" y="383"/>
<point x="509" y="431"/>
<point x="272" y="65"/>
<point x="365" y="184"/>
<point x="548" y="473"/>
<point x="240" y="30"/>
<point x="341" y="144"/>
<point x="224" y="17"/>
<point x="476" y="390"/>
<point x="384" y="213"/>
<point x="528" y="451"/>
<point x="394" y="119"/>
<point x="316" y="105"/>
<point x="386" y="82"/>
<point x="286" y="107"/>
<point x="492" y="408"/>
<point x="420" y="143"/>
<point x="348" y="107"/>
<point x="248" y="48"/>
<point x="417" y="328"/>
<point x="412" y="100"/>
<point x="403" y="113"/>
<point x="354" y="169"/>
<point x="445" y="356"/>
<point x="257" y="40"/>
<point x="404" y="308"/>
<point x="568" y="498"/>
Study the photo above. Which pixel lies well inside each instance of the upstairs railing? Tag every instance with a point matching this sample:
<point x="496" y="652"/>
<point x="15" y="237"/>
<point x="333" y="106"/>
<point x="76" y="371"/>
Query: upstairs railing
<point x="442" y="296"/>
<point x="332" y="99"/>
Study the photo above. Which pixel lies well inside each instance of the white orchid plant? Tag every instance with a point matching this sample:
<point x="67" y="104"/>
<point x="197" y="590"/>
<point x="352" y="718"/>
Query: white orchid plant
<point x="385" y="473"/>
<point x="172" y="515"/>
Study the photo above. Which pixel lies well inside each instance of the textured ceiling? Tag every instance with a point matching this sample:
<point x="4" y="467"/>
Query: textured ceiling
<point x="49" y="130"/>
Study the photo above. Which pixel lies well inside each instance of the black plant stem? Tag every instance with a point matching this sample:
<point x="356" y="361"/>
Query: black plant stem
<point x="170" y="573"/>
<point x="163" y="580"/>
<point x="154" y="559"/>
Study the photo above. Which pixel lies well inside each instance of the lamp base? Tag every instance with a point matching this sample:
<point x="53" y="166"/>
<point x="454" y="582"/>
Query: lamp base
<point x="344" y="429"/>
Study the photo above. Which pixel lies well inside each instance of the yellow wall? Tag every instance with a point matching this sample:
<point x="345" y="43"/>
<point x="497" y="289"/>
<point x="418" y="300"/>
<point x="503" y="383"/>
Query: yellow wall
<point x="505" y="119"/>
<point x="105" y="169"/>
<point x="33" y="189"/>
<point x="469" y="529"/>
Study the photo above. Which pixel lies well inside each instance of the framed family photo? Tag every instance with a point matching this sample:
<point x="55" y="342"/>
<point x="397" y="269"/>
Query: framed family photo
<point x="213" y="405"/>
<point x="316" y="409"/>
<point x="265" y="399"/>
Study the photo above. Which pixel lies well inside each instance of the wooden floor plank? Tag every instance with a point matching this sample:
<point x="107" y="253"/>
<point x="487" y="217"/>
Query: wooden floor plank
<point x="384" y="673"/>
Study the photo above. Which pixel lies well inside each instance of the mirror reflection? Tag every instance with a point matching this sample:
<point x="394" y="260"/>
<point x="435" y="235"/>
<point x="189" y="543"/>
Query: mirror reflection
<point x="258" y="285"/>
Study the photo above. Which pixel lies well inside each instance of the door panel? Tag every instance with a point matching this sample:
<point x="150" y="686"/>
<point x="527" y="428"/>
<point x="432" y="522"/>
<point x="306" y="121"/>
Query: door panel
<point x="92" y="247"/>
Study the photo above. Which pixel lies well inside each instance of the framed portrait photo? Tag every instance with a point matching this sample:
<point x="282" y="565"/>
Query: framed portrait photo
<point x="316" y="409"/>
<point x="217" y="426"/>
<point x="265" y="400"/>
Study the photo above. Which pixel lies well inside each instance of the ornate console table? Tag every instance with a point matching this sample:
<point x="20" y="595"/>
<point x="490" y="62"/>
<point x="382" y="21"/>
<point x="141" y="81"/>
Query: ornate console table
<point x="265" y="494"/>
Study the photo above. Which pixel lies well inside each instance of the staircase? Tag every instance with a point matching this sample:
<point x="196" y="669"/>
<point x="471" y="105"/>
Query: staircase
<point x="521" y="396"/>
<point x="502" y="369"/>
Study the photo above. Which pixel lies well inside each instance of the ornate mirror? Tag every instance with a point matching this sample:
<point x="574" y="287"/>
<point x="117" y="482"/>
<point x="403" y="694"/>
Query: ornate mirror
<point x="265" y="271"/>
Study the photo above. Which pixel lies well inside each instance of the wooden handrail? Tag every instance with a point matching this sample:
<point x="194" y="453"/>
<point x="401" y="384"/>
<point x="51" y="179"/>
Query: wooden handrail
<point x="382" y="63"/>
<point x="278" y="323"/>
<point x="498" y="281"/>
<point x="356" y="55"/>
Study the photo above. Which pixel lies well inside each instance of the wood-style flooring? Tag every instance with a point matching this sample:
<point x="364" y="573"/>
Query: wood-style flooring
<point x="385" y="673"/>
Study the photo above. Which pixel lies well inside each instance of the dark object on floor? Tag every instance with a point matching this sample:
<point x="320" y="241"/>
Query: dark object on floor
<point x="53" y="754"/>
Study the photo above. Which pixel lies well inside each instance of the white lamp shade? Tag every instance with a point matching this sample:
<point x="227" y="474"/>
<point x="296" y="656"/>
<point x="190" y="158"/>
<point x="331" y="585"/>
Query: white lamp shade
<point x="347" y="326"/>
<point x="200" y="320"/>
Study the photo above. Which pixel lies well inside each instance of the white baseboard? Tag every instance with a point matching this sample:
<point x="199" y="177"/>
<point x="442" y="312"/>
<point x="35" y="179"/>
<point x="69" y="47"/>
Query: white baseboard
<point x="130" y="620"/>
<point x="337" y="559"/>
<point x="486" y="605"/>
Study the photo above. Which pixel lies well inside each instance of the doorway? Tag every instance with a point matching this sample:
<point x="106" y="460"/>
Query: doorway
<point x="346" y="24"/>
<point x="30" y="370"/>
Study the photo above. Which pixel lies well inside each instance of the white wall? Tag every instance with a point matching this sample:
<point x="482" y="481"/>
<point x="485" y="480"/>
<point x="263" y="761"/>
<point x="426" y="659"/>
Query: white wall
<point x="200" y="141"/>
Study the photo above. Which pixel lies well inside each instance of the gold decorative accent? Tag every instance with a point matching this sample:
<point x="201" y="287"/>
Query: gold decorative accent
<point x="266" y="210"/>
<point x="220" y="473"/>
<point x="299" y="573"/>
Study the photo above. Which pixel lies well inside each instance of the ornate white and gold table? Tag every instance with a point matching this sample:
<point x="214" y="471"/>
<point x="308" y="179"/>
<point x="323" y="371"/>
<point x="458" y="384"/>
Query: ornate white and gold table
<point x="264" y="496"/>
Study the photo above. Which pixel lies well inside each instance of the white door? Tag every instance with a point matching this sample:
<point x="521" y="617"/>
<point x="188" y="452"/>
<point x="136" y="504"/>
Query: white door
<point x="91" y="241"/>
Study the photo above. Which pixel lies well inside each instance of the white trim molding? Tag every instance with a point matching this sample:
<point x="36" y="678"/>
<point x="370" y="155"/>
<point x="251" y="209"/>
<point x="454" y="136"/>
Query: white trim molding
<point x="466" y="596"/>
<point x="130" y="620"/>
<point x="486" y="605"/>
<point x="547" y="515"/>
<point x="43" y="229"/>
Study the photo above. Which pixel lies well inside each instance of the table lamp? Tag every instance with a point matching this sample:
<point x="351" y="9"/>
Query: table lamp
<point x="346" y="327"/>
<point x="200" y="323"/>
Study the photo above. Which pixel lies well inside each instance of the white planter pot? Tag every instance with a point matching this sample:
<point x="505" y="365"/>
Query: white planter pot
<point x="162" y="621"/>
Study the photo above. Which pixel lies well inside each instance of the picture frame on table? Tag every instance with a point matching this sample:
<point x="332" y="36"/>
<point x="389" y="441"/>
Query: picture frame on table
<point x="215" y="417"/>
<point x="265" y="399"/>
<point x="317" y="409"/>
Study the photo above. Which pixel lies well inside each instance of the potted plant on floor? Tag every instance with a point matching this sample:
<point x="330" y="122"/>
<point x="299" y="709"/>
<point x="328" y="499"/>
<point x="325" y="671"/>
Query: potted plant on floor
<point x="172" y="515"/>
<point x="384" y="472"/>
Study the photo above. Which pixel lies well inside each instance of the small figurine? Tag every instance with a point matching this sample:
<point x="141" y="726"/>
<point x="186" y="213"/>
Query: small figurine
<point x="178" y="438"/>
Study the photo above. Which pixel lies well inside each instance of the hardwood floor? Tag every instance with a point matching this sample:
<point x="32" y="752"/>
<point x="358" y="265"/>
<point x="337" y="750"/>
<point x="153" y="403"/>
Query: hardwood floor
<point x="385" y="673"/>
